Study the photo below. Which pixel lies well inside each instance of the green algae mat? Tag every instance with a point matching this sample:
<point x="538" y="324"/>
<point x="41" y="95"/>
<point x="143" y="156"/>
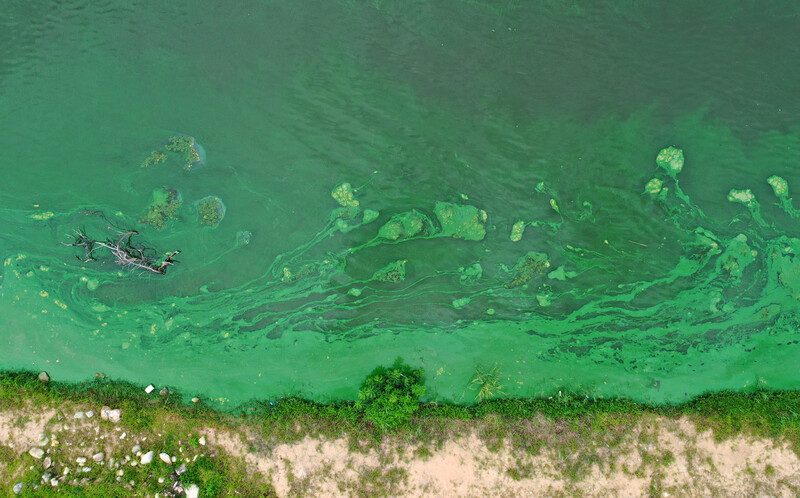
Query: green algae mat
<point x="272" y="199"/>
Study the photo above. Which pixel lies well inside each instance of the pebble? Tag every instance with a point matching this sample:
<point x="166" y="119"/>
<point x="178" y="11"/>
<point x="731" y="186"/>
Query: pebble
<point x="36" y="452"/>
<point x="54" y="482"/>
<point x="147" y="457"/>
<point x="89" y="414"/>
<point x="66" y="470"/>
<point x="165" y="458"/>
<point x="47" y="463"/>
<point x="44" y="377"/>
<point x="98" y="457"/>
<point x="80" y="460"/>
<point x="18" y="488"/>
<point x="123" y="435"/>
<point x="163" y="392"/>
<point x="149" y="389"/>
<point x="86" y="469"/>
<point x="78" y="415"/>
<point x="195" y="400"/>
<point x="136" y="449"/>
<point x="180" y="470"/>
<point x="192" y="491"/>
<point x="202" y="440"/>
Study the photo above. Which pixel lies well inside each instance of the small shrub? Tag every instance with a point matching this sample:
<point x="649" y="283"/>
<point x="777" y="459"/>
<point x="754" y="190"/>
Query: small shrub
<point x="389" y="396"/>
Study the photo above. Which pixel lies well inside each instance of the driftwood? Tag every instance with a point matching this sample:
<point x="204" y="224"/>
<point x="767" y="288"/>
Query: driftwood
<point x="124" y="251"/>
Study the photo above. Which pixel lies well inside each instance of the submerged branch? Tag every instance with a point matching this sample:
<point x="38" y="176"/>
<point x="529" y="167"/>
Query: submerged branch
<point x="124" y="251"/>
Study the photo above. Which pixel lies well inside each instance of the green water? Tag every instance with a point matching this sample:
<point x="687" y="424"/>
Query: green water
<point x="453" y="121"/>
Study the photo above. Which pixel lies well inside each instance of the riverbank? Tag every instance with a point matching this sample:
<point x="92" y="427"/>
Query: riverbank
<point x="65" y="439"/>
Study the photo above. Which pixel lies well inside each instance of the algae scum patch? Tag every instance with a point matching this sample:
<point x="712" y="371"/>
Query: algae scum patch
<point x="538" y="305"/>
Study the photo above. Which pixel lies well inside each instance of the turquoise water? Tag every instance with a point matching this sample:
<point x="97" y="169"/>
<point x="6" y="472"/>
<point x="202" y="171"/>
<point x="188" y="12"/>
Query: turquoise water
<point x="494" y="113"/>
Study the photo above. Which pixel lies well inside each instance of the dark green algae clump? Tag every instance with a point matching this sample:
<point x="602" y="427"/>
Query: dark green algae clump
<point x="210" y="211"/>
<point x="165" y="206"/>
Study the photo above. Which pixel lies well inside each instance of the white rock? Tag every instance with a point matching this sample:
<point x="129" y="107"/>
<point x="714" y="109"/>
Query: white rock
<point x="86" y="469"/>
<point x="192" y="491"/>
<point x="54" y="482"/>
<point x="78" y="415"/>
<point x="47" y="463"/>
<point x="80" y="460"/>
<point x="120" y="473"/>
<point x="136" y="448"/>
<point x="66" y="470"/>
<point x="147" y="457"/>
<point x="98" y="457"/>
<point x="18" y="488"/>
<point x="113" y="416"/>
<point x="165" y="458"/>
<point x="123" y="435"/>
<point x="36" y="452"/>
<point x="202" y="440"/>
<point x="89" y="414"/>
<point x="149" y="389"/>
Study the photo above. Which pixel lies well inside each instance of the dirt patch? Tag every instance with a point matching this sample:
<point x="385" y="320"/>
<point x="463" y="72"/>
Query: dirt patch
<point x="23" y="428"/>
<point x="663" y="456"/>
<point x="657" y="456"/>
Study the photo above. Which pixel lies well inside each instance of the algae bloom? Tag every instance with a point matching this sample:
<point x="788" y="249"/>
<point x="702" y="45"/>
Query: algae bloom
<point x="210" y="211"/>
<point x="165" y="206"/>
<point x="671" y="159"/>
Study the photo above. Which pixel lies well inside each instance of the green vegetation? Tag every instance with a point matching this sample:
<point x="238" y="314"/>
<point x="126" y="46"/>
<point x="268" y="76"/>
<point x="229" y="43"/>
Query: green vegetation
<point x="576" y="427"/>
<point x="389" y="396"/>
<point x="487" y="382"/>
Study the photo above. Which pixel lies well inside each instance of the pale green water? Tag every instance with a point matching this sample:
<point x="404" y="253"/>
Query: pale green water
<point x="412" y="103"/>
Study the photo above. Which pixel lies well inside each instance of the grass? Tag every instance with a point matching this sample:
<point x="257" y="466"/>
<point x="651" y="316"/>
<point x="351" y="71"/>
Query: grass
<point x="575" y="426"/>
<point x="487" y="382"/>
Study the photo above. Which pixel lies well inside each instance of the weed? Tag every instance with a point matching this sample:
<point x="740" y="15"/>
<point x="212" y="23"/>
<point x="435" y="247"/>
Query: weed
<point x="487" y="382"/>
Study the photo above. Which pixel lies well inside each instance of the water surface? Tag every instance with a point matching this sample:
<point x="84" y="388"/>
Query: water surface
<point x="497" y="113"/>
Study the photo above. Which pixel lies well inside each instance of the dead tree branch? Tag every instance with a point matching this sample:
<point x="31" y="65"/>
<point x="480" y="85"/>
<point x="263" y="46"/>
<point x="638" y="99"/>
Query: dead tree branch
<point x="123" y="250"/>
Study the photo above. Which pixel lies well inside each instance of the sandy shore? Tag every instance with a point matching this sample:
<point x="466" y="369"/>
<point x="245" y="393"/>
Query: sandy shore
<point x="659" y="456"/>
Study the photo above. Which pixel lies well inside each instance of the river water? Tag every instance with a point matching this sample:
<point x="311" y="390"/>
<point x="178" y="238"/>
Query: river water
<point x="460" y="183"/>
